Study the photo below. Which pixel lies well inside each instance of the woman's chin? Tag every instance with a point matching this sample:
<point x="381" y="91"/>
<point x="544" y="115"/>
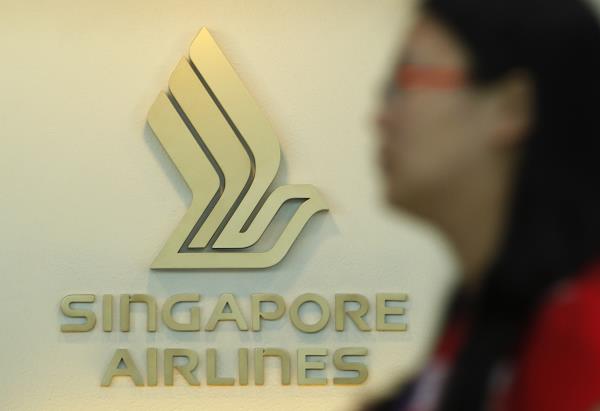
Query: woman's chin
<point x="406" y="201"/>
<point x="396" y="198"/>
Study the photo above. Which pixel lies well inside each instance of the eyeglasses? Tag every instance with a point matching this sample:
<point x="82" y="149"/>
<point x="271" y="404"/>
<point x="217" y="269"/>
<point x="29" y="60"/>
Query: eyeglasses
<point x="411" y="76"/>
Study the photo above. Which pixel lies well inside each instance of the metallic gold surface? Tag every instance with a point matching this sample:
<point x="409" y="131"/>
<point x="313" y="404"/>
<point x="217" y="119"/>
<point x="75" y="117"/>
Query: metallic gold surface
<point x="211" y="370"/>
<point x="186" y="370"/>
<point x="355" y="315"/>
<point x="125" y="311"/>
<point x="107" y="313"/>
<point x="295" y="313"/>
<point x="342" y="365"/>
<point x="193" y="325"/>
<point x="258" y="315"/>
<point x="243" y="365"/>
<point x="129" y="369"/>
<point x="259" y="364"/>
<point x="152" y="363"/>
<point x="90" y="317"/>
<point x="228" y="154"/>
<point x="304" y="365"/>
<point x="220" y="314"/>
<point x="384" y="310"/>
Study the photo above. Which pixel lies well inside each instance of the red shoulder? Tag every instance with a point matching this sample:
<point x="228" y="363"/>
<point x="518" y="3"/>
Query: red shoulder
<point x="559" y="365"/>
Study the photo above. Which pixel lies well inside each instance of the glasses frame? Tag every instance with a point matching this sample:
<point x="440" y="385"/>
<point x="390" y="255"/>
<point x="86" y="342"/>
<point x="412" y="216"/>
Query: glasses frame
<point x="412" y="77"/>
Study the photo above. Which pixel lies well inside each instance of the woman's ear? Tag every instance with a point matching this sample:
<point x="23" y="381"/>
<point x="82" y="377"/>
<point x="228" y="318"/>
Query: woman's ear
<point x="514" y="98"/>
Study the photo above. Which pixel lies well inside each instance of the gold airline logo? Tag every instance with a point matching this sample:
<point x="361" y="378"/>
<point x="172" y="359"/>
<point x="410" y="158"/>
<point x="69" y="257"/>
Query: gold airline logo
<point x="227" y="153"/>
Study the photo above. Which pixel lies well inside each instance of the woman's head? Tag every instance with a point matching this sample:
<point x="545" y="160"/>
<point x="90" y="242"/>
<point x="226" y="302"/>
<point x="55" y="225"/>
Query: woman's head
<point x="443" y="133"/>
<point x="501" y="95"/>
<point x="497" y="101"/>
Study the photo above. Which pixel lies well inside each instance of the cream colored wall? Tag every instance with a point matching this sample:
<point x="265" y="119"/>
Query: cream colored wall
<point x="89" y="196"/>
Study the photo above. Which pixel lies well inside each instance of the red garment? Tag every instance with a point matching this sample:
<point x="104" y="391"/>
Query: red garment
<point x="558" y="365"/>
<point x="429" y="385"/>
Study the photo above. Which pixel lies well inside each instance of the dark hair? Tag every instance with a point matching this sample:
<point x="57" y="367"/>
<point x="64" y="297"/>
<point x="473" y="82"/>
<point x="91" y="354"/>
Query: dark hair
<point x="554" y="225"/>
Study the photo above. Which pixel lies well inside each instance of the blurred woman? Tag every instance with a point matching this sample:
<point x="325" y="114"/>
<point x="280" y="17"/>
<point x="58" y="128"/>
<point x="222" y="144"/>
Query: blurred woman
<point x="491" y="130"/>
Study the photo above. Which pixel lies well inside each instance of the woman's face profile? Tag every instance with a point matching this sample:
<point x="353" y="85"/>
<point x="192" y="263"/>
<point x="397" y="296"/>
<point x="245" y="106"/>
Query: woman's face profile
<point x="437" y="131"/>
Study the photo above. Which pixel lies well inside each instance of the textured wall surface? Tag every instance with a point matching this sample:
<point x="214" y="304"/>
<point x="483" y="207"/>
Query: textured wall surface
<point x="89" y="196"/>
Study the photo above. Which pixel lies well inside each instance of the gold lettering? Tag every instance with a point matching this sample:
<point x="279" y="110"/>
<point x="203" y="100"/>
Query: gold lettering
<point x="295" y="313"/>
<point x="219" y="313"/>
<point x="167" y="317"/>
<point x="107" y="313"/>
<point x="258" y="314"/>
<point x="259" y="364"/>
<point x="125" y="311"/>
<point x="342" y="365"/>
<point x="211" y="370"/>
<point x="243" y="363"/>
<point x="355" y="315"/>
<point x="383" y="310"/>
<point x="185" y="370"/>
<point x="90" y="317"/>
<point x="152" y="364"/>
<point x="129" y="370"/>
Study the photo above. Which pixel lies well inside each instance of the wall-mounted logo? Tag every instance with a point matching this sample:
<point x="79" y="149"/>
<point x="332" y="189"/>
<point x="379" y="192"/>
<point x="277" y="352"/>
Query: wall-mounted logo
<point x="226" y="151"/>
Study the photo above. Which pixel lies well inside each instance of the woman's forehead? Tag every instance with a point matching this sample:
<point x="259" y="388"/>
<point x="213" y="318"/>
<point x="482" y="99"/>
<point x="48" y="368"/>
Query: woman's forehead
<point x="431" y="43"/>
